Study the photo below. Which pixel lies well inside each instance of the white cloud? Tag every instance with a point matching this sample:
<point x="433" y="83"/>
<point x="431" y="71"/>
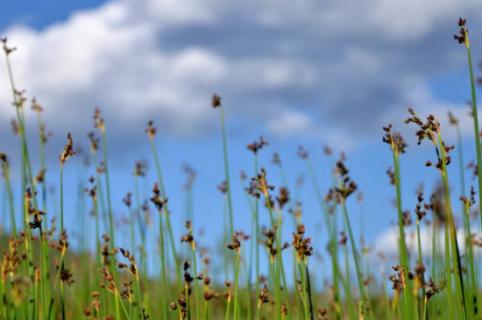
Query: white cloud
<point x="316" y="64"/>
<point x="290" y="122"/>
<point x="387" y="241"/>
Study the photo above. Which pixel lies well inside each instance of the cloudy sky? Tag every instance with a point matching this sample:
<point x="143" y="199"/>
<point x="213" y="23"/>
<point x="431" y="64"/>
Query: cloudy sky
<point x="312" y="73"/>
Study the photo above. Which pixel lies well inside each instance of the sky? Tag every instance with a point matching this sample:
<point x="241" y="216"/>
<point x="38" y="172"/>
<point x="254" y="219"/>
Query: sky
<point x="313" y="74"/>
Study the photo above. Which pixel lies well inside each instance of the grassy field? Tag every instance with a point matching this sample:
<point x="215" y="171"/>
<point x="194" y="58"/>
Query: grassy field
<point x="266" y="274"/>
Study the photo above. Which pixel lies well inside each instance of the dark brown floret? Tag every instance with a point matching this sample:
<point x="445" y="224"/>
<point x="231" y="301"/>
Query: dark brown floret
<point x="189" y="237"/>
<point x="98" y="120"/>
<point x="264" y="296"/>
<point x="215" y="101"/>
<point x="8" y="50"/>
<point x="461" y="37"/>
<point x="156" y="198"/>
<point x="151" y="130"/>
<point x="128" y="200"/>
<point x="394" y="139"/>
<point x="420" y="208"/>
<point x="236" y="239"/>
<point x="283" y="198"/>
<point x="346" y="187"/>
<point x="257" y="145"/>
<point x="301" y="244"/>
<point x="140" y="168"/>
<point x="68" y="150"/>
<point x="223" y="187"/>
<point x="432" y="288"/>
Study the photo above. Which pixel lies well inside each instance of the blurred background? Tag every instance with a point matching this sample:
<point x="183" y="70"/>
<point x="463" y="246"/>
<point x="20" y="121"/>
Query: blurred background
<point x="325" y="73"/>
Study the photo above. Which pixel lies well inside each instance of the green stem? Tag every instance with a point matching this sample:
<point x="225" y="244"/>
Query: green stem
<point x="166" y="213"/>
<point x="476" y="122"/>
<point x="226" y="172"/>
<point x="107" y="187"/>
<point x="361" y="285"/>
<point x="408" y="307"/>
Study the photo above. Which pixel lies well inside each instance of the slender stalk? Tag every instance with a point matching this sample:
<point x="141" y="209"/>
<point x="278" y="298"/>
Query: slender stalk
<point x="166" y="213"/>
<point x="164" y="280"/>
<point x="226" y="172"/>
<point x="361" y="285"/>
<point x="403" y="251"/>
<point x="451" y="225"/>
<point x="236" y="285"/>
<point x="475" y="117"/>
<point x="8" y="188"/>
<point x="332" y="232"/>
<point x="107" y="187"/>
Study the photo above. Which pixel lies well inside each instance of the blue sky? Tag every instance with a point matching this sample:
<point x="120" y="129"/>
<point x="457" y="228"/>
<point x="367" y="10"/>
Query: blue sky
<point x="330" y="72"/>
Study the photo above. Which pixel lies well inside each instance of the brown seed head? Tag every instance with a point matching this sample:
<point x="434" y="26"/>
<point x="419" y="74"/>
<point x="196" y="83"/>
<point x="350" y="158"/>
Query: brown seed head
<point x="98" y="120"/>
<point x="151" y="130"/>
<point x="215" y="101"/>
<point x="37" y="107"/>
<point x="462" y="36"/>
<point x="452" y="119"/>
<point x="257" y="145"/>
<point x="68" y="150"/>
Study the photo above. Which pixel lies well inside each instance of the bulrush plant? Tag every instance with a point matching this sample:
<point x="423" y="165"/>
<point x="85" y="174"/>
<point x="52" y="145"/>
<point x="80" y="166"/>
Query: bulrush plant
<point x="346" y="187"/>
<point x="160" y="203"/>
<point x="304" y="249"/>
<point x="151" y="133"/>
<point x="140" y="169"/>
<point x="43" y="135"/>
<point x="255" y="147"/>
<point x="235" y="245"/>
<point x="463" y="38"/>
<point x="398" y="145"/>
<point x="19" y="101"/>
<point x="8" y="189"/>
<point x="189" y="239"/>
<point x="129" y="270"/>
<point x="99" y="124"/>
<point x="331" y="227"/>
<point x="216" y="103"/>
<point x="273" y="243"/>
<point x="430" y="130"/>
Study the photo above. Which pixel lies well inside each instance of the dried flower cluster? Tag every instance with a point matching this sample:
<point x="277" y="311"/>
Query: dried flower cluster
<point x="346" y="186"/>
<point x="98" y="120"/>
<point x="270" y="243"/>
<point x="189" y="237"/>
<point x="394" y="139"/>
<point x="236" y="239"/>
<point x="257" y="145"/>
<point x="68" y="150"/>
<point x="301" y="244"/>
<point x="461" y="37"/>
<point x="151" y="130"/>
<point x="215" y="101"/>
<point x="156" y="198"/>
<point x="132" y="266"/>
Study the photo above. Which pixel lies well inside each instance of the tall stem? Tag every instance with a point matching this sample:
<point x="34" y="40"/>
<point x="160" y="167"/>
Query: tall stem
<point x="476" y="120"/>
<point x="226" y="172"/>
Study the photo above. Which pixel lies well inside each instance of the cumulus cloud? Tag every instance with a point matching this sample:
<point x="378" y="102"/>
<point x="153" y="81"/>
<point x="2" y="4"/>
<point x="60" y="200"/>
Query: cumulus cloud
<point x="289" y="122"/>
<point x="387" y="241"/>
<point x="337" y="67"/>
